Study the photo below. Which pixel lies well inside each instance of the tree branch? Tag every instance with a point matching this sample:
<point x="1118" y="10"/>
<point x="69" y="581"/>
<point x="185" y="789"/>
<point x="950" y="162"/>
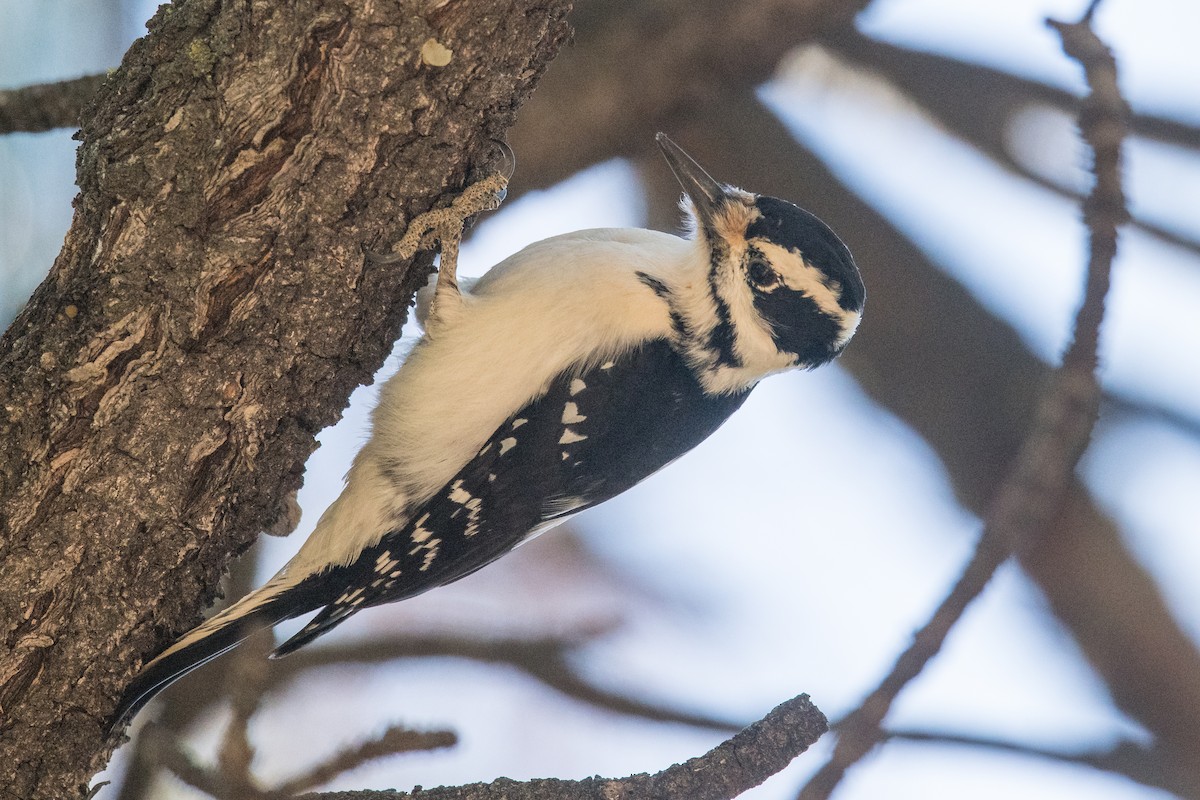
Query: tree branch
<point x="638" y="68"/>
<point x="963" y="379"/>
<point x="934" y="356"/>
<point x="733" y="767"/>
<point x="46" y="106"/>
<point x="394" y="741"/>
<point x="1033" y="498"/>
<point x="210" y="312"/>
<point x="979" y="104"/>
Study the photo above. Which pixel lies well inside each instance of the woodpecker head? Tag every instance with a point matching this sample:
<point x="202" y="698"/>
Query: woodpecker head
<point x="782" y="289"/>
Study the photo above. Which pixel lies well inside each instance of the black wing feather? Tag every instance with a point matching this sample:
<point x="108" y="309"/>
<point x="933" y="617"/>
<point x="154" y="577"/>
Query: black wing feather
<point x="591" y="436"/>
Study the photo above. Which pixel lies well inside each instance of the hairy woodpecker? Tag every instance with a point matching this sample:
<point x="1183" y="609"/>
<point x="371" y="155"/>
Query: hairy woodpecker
<point x="574" y="369"/>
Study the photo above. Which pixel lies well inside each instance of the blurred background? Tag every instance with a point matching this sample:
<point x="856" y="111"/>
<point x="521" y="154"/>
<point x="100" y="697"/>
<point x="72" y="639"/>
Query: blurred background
<point x="800" y="547"/>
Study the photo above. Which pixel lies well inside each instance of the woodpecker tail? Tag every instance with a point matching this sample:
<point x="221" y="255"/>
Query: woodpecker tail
<point x="280" y="599"/>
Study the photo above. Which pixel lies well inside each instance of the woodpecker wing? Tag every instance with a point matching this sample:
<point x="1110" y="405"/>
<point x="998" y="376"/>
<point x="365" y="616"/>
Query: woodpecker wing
<point x="593" y="434"/>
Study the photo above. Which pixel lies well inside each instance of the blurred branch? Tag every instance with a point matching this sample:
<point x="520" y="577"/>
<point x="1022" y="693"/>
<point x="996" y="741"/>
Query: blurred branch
<point x="1031" y="499"/>
<point x="163" y="748"/>
<point x="547" y="660"/>
<point x="1115" y="405"/>
<point x="245" y="683"/>
<point x="979" y="104"/>
<point x="733" y="767"/>
<point x="232" y="777"/>
<point x="31" y="109"/>
<point x="1028" y="506"/>
<point x="179" y="704"/>
<point x="394" y="741"/>
<point x="963" y="379"/>
<point x="933" y="355"/>
<point x="1103" y="124"/>
<point x="640" y="67"/>
<point x="1128" y="759"/>
<point x="738" y="764"/>
<point x="952" y="87"/>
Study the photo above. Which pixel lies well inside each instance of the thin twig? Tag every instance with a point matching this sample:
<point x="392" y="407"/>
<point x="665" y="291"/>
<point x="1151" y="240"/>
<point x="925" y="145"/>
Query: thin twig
<point x="394" y="741"/>
<point x="163" y="748"/>
<point x="1146" y="765"/>
<point x="246" y="684"/>
<point x="860" y="731"/>
<point x="1103" y="124"/>
<point x="181" y="703"/>
<point x="978" y="103"/>
<point x="1031" y="498"/>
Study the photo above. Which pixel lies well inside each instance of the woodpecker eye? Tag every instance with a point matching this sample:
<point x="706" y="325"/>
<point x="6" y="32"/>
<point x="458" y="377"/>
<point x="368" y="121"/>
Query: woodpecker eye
<point x="761" y="274"/>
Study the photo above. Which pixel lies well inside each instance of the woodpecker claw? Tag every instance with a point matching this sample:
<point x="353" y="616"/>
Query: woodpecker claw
<point x="508" y="159"/>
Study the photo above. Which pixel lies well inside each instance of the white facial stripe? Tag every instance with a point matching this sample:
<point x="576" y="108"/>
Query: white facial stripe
<point x="800" y="277"/>
<point x="850" y="322"/>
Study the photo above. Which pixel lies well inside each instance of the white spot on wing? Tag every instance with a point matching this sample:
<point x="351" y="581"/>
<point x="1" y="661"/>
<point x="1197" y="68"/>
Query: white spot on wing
<point x="570" y="437"/>
<point x="350" y="597"/>
<point x="458" y="494"/>
<point x="431" y="550"/>
<point x="571" y="414"/>
<point x="507" y="444"/>
<point x="577" y="386"/>
<point x="518" y="422"/>
<point x="608" y="365"/>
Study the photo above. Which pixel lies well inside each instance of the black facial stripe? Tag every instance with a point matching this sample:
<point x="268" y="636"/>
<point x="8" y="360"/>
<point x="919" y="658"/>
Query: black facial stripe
<point x="678" y="324"/>
<point x="795" y="229"/>
<point x="657" y="286"/>
<point x="798" y="325"/>
<point x="721" y="337"/>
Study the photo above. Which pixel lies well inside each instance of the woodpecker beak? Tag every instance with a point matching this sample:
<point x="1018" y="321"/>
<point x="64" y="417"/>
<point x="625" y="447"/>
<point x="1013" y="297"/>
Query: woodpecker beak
<point x="705" y="193"/>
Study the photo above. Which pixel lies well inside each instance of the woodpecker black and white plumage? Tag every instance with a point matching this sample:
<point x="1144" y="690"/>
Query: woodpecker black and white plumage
<point x="565" y="375"/>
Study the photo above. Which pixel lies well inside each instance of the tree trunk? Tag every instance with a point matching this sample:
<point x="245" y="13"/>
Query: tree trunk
<point x="210" y="312"/>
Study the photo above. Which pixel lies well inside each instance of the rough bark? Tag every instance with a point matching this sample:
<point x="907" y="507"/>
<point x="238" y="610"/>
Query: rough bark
<point x="211" y="310"/>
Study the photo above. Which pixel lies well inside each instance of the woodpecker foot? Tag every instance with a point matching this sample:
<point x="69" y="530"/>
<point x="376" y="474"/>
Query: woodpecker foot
<point x="443" y="227"/>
